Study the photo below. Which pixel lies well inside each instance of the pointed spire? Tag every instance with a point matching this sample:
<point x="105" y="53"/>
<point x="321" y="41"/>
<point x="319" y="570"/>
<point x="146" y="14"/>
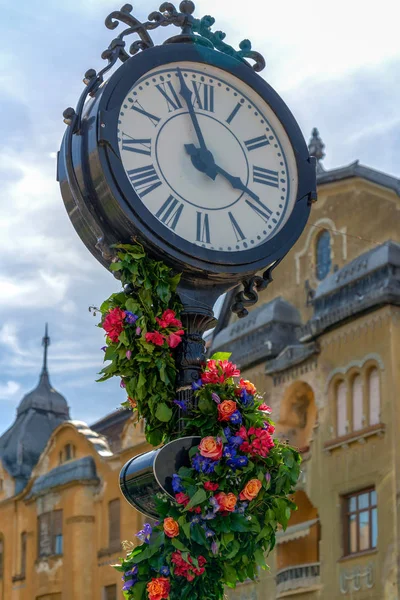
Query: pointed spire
<point x="316" y="148"/>
<point x="46" y="344"/>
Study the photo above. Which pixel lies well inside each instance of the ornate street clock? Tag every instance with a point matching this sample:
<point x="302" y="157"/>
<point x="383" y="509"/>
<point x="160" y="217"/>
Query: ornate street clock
<point x="188" y="150"/>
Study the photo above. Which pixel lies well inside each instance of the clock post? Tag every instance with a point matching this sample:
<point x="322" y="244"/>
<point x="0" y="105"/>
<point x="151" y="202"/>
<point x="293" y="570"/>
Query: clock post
<point x="188" y="151"/>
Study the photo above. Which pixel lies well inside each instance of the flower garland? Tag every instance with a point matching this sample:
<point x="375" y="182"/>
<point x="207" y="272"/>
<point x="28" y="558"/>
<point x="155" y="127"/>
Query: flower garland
<point x="142" y="329"/>
<point x="228" y="503"/>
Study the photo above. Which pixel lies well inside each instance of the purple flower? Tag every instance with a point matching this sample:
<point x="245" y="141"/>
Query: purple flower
<point x="229" y="451"/>
<point x="268" y="477"/>
<point x="128" y="354"/>
<point x="209" y="516"/>
<point x="241" y="507"/>
<point x="145" y="533"/>
<point x="104" y="348"/>
<point x="214" y="547"/>
<point x="216" y="398"/>
<point x="177" y="484"/>
<point x="236" y="418"/>
<point x="138" y="331"/>
<point x="196" y="385"/>
<point x="122" y="384"/>
<point x="214" y="504"/>
<point x="247" y="399"/>
<point x="194" y="520"/>
<point x="132" y="571"/>
<point x="164" y="571"/>
<point x="130" y="318"/>
<point x="128" y="584"/>
<point x="182" y="404"/>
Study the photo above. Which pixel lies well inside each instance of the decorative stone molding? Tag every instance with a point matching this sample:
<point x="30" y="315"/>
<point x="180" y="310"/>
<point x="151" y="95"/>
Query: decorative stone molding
<point x="356" y="578"/>
<point x="358" y="364"/>
<point x="355" y="436"/>
<point x="295" y="372"/>
<point x="298" y="577"/>
<point x="80" y="519"/>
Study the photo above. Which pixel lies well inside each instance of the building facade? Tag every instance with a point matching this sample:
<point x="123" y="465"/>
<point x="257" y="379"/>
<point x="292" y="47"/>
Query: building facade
<point x="323" y="346"/>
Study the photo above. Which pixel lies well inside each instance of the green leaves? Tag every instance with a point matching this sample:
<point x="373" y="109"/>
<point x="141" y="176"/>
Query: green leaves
<point x="221" y="356"/>
<point x="199" y="497"/>
<point x="163" y="413"/>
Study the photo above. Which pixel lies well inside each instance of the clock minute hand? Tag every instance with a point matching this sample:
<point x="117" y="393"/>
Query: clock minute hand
<point x="187" y="96"/>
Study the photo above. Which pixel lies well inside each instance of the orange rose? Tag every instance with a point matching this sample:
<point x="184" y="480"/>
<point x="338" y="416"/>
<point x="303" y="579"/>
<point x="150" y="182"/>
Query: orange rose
<point x="227" y="502"/>
<point x="248" y="386"/>
<point x="210" y="447"/>
<point x="171" y="527"/>
<point x="226" y="410"/>
<point x="251" y="490"/>
<point x="132" y="402"/>
<point x="158" y="588"/>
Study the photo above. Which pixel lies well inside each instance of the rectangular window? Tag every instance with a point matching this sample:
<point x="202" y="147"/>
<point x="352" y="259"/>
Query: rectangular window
<point x="110" y="592"/>
<point x="50" y="537"/>
<point x="360" y="521"/>
<point x="114" y="524"/>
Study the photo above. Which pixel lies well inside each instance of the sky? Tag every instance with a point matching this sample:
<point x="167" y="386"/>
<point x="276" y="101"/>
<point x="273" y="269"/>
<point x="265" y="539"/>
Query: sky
<point x="336" y="64"/>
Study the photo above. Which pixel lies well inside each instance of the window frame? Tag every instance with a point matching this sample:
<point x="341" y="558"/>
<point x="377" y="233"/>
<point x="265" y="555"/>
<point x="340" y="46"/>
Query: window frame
<point x="112" y="587"/>
<point x="320" y="266"/>
<point x="346" y="513"/>
<point x="113" y="528"/>
<point x="55" y="518"/>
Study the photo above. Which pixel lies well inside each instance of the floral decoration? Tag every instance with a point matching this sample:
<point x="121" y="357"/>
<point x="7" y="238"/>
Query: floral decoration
<point x="227" y="504"/>
<point x="143" y="329"/>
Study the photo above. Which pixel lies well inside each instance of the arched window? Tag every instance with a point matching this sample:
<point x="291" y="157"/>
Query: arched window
<point x="341" y="409"/>
<point x="357" y="402"/>
<point x="323" y="255"/>
<point x="374" y="397"/>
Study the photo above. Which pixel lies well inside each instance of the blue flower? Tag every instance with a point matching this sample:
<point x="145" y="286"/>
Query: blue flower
<point x="214" y="504"/>
<point x="209" y="516"/>
<point x="130" y="318"/>
<point x="236" y="440"/>
<point x="164" y="571"/>
<point x="216" y="398"/>
<point x="194" y="520"/>
<point x="145" y="533"/>
<point x="241" y="507"/>
<point x="128" y="584"/>
<point x="206" y="465"/>
<point x="230" y="451"/>
<point x="104" y="348"/>
<point x="182" y="404"/>
<point x="238" y="462"/>
<point x="247" y="399"/>
<point x="196" y="385"/>
<point x="177" y="484"/>
<point x="236" y="418"/>
<point x="132" y="571"/>
<point x="227" y="433"/>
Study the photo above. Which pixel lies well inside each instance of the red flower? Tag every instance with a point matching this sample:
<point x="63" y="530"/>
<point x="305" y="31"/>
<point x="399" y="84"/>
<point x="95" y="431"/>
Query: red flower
<point x="168" y="320"/>
<point x="265" y="408"/>
<point x="258" y="442"/>
<point x="242" y="433"/>
<point x="218" y="371"/>
<point x="185" y="568"/>
<point x="174" y="339"/>
<point x="270" y="428"/>
<point x="155" y="338"/>
<point x="182" y="498"/>
<point x="113" y="323"/>
<point x="226" y="410"/>
<point x="210" y="487"/>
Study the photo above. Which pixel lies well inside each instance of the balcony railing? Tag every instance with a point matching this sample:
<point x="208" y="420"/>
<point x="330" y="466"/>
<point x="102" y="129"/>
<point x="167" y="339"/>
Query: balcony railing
<point x="298" y="576"/>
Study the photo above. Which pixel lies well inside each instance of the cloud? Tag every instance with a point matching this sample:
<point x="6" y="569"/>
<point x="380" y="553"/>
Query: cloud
<point x="9" y="390"/>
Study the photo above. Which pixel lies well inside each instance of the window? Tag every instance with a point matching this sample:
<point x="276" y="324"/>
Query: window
<point x="341" y="407"/>
<point x="68" y="453"/>
<point x="1" y="485"/>
<point x="361" y="522"/>
<point x="1" y="556"/>
<point x="114" y="534"/>
<point x="357" y="403"/>
<point x="110" y="592"/>
<point x="323" y="255"/>
<point x="50" y="538"/>
<point x="374" y="397"/>
<point x="24" y="537"/>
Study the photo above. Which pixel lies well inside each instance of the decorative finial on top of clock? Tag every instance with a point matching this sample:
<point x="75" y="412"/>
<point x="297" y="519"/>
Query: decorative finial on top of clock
<point x="316" y="148"/>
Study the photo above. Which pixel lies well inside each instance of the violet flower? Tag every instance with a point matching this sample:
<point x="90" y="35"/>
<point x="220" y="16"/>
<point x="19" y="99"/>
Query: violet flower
<point x="182" y="404"/>
<point x="128" y="354"/>
<point x="122" y="384"/>
<point x="138" y="331"/>
<point x="216" y="398"/>
<point x="214" y="547"/>
<point x="145" y="533"/>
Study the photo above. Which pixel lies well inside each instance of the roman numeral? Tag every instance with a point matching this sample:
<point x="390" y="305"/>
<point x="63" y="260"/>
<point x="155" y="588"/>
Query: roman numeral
<point x="170" y="212"/>
<point x="257" y="142"/>
<point x="139" y="108"/>
<point x="265" y="176"/>
<point x="260" y="209"/>
<point x="204" y="96"/>
<point x="238" y="232"/>
<point x="203" y="228"/>
<point x="141" y="146"/>
<point x="144" y="180"/>
<point x="234" y="113"/>
<point x="170" y="95"/>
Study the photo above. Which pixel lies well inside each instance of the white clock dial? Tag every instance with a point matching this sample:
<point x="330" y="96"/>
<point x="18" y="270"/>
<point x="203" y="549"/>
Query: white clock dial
<point x="207" y="156"/>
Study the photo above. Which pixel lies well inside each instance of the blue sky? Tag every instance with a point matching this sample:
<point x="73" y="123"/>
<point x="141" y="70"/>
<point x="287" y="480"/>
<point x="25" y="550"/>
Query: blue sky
<point x="335" y="64"/>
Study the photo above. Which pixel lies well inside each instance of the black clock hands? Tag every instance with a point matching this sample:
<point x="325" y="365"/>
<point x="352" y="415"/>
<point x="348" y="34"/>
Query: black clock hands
<point x="235" y="182"/>
<point x="205" y="160"/>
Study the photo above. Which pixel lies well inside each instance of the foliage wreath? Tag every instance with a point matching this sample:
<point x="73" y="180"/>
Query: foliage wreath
<point x="229" y="502"/>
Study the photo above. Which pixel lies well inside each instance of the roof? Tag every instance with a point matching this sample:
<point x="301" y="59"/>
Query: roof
<point x="99" y="442"/>
<point x="82" y="469"/>
<point x="111" y="426"/>
<point x="357" y="170"/>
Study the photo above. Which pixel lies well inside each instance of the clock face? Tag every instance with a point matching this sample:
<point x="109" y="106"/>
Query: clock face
<point x="207" y="156"/>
